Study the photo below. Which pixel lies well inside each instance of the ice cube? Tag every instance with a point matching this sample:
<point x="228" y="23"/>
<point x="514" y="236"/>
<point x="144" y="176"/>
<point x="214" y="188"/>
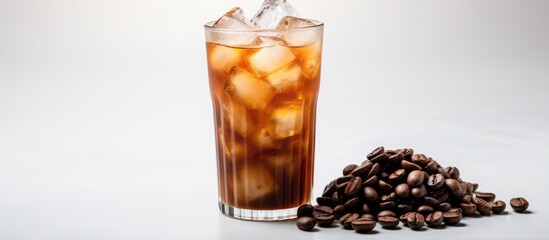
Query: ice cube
<point x="233" y="148"/>
<point x="299" y="37"/>
<point x="238" y="118"/>
<point x="263" y="139"/>
<point x="286" y="120"/>
<point x="286" y="78"/>
<point x="233" y="19"/>
<point x="222" y="58"/>
<point x="271" y="12"/>
<point x="310" y="58"/>
<point x="269" y="59"/>
<point x="253" y="183"/>
<point x="244" y="87"/>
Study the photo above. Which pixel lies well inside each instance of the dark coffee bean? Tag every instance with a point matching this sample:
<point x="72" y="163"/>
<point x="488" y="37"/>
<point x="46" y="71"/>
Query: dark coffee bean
<point x="454" y="187"/>
<point x="415" y="178"/>
<point x="498" y="206"/>
<point x="404" y="208"/>
<point x="402" y="190"/>
<point x="489" y="197"/>
<point x="444" y="207"/>
<point x="366" y="209"/>
<point x="339" y="211"/>
<point x="329" y="189"/>
<point x="468" y="198"/>
<point x="435" y="181"/>
<point x="386" y="213"/>
<point x="352" y="204"/>
<point x="305" y="210"/>
<point x="384" y="186"/>
<point x="381" y="158"/>
<point x="348" y="169"/>
<point x="344" y="179"/>
<point x="420" y="159"/>
<point x="388" y="197"/>
<point x="367" y="216"/>
<point x="396" y="158"/>
<point x="519" y="204"/>
<point x="455" y="210"/>
<point x="434" y="219"/>
<point x="388" y="222"/>
<point x="468" y="209"/>
<point x="363" y="225"/>
<point x="433" y="202"/>
<point x="469" y="187"/>
<point x="370" y="194"/>
<point x="441" y="195"/>
<point x="305" y="223"/>
<point x="376" y="169"/>
<point x="432" y="167"/>
<point x="409" y="166"/>
<point x="341" y="187"/>
<point x="484" y="209"/>
<point x="390" y="152"/>
<point x="324" y="201"/>
<point x="337" y="198"/>
<point x="384" y="176"/>
<point x="475" y="187"/>
<point x="452" y="218"/>
<point x="397" y="176"/>
<point x="363" y="169"/>
<point x="453" y="172"/>
<point x="404" y="218"/>
<point x="376" y="152"/>
<point x="323" y="215"/>
<point x="372" y="181"/>
<point x="347" y="219"/>
<point x="419" y="192"/>
<point x="479" y="201"/>
<point x="425" y="209"/>
<point x="353" y="187"/>
<point x="387" y="206"/>
<point x="415" y="220"/>
<point x="441" y="170"/>
<point x="408" y="153"/>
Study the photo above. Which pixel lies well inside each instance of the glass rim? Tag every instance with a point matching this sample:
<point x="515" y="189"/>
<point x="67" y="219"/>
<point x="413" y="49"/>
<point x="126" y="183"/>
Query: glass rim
<point x="209" y="27"/>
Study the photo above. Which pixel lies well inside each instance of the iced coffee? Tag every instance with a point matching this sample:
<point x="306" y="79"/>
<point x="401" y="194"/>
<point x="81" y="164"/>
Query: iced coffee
<point x="264" y="78"/>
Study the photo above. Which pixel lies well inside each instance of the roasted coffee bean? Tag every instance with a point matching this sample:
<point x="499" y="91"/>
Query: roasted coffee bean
<point x="468" y="209"/>
<point x="376" y="152"/>
<point x="344" y="179"/>
<point x="484" y="209"/>
<point x="475" y="187"/>
<point x="366" y="209"/>
<point x="396" y="158"/>
<point x="341" y="187"/>
<point x="339" y="211"/>
<point x="353" y="187"/>
<point x="434" y="219"/>
<point x="453" y="172"/>
<point x="372" y="181"/>
<point x="415" y="220"/>
<point x="452" y="218"/>
<point x="324" y="201"/>
<point x="363" y="169"/>
<point x="348" y="169"/>
<point x="402" y="190"/>
<point x="363" y="225"/>
<point x="441" y="170"/>
<point x="384" y="186"/>
<point x="387" y="206"/>
<point x="397" y="176"/>
<point x="468" y="198"/>
<point x="404" y="218"/>
<point x="370" y="194"/>
<point x="337" y="198"/>
<point x="323" y="215"/>
<point x="384" y="176"/>
<point x="305" y="223"/>
<point x="497" y="206"/>
<point x="409" y="166"/>
<point x="386" y="213"/>
<point x="329" y="189"/>
<point x="408" y="152"/>
<point x="347" y="219"/>
<point x="415" y="178"/>
<point x="425" y="209"/>
<point x="404" y="208"/>
<point x="376" y="169"/>
<point x="444" y="207"/>
<point x="305" y="210"/>
<point x="433" y="202"/>
<point x="454" y="187"/>
<point x="388" y="222"/>
<point x="479" y="201"/>
<point x="388" y="197"/>
<point x="419" y="192"/>
<point x="390" y="152"/>
<point x="381" y="158"/>
<point x="420" y="159"/>
<point x="489" y="197"/>
<point x="519" y="204"/>
<point x="441" y="195"/>
<point x="455" y="210"/>
<point x="367" y="216"/>
<point x="352" y="204"/>
<point x="432" y="167"/>
<point x="435" y="181"/>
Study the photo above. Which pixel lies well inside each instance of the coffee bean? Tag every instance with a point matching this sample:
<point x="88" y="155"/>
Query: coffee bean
<point x="408" y="153"/>
<point x="376" y="152"/>
<point x="381" y="158"/>
<point x="324" y="201"/>
<point x="396" y="158"/>
<point x="404" y="208"/>
<point x="363" y="225"/>
<point x="453" y="172"/>
<point x="387" y="206"/>
<point x="454" y="187"/>
<point x="353" y="187"/>
<point x="415" y="178"/>
<point x="425" y="209"/>
<point x="468" y="209"/>
<point x="367" y="216"/>
<point x="433" y="202"/>
<point x="484" y="209"/>
<point x="444" y="207"/>
<point x="305" y="210"/>
<point x="384" y="186"/>
<point x="341" y="187"/>
<point x="435" y="181"/>
<point x="337" y="198"/>
<point x="489" y="197"/>
<point x="519" y="204"/>
<point x="329" y="189"/>
<point x="323" y="215"/>
<point x="344" y="179"/>
<point x="339" y="211"/>
<point x="397" y="176"/>
<point x="366" y="209"/>
<point x="348" y="169"/>
<point x="370" y="194"/>
<point x="434" y="219"/>
<point x="409" y="166"/>
<point x="419" y="192"/>
<point x="432" y="167"/>
<point x="402" y="190"/>
<point x="352" y="204"/>
<point x="468" y="198"/>
<point x="452" y="218"/>
<point x="305" y="223"/>
<point x="441" y="170"/>
<point x="372" y="181"/>
<point x="388" y="197"/>
<point x="479" y="201"/>
<point x="475" y="187"/>
<point x="441" y="195"/>
<point x="388" y="222"/>
<point x="455" y="210"/>
<point x="386" y="213"/>
<point x="420" y="159"/>
<point x="363" y="169"/>
<point x="347" y="219"/>
<point x="497" y="206"/>
<point x="376" y="169"/>
<point x="404" y="218"/>
<point x="415" y="221"/>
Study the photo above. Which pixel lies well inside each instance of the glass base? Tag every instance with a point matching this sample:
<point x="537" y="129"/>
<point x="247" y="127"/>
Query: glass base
<point x="258" y="215"/>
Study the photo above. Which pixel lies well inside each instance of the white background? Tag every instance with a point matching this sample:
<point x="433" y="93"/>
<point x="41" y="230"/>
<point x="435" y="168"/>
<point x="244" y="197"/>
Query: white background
<point x="106" y="124"/>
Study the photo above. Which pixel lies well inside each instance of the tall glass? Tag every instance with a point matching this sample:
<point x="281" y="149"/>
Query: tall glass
<point x="264" y="86"/>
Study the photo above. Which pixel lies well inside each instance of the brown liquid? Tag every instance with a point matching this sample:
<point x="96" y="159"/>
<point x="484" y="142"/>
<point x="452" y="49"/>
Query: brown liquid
<point x="265" y="108"/>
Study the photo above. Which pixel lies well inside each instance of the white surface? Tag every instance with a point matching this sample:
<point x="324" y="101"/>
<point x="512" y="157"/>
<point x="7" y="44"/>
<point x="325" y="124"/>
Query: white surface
<point x="106" y="125"/>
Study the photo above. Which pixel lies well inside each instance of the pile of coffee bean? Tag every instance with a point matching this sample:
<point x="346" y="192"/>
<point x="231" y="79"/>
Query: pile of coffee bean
<point x="394" y="186"/>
